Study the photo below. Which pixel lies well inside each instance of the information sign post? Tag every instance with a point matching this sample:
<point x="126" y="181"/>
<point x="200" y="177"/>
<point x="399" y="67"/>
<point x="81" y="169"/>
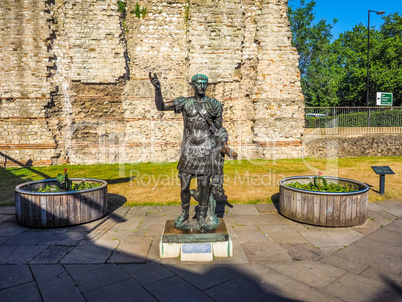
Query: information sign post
<point x="382" y="170"/>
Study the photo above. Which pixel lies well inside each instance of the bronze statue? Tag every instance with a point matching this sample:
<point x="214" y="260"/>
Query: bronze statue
<point x="203" y="149"/>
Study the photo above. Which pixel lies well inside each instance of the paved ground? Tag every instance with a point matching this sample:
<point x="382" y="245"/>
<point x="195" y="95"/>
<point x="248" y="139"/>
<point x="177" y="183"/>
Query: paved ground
<point x="275" y="259"/>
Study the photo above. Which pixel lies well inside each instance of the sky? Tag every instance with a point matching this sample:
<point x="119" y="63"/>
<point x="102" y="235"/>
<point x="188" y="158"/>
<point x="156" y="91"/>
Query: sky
<point x="351" y="12"/>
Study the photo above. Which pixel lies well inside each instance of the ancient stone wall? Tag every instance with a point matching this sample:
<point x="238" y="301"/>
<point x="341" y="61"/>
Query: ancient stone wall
<point x="25" y="67"/>
<point x="74" y="77"/>
<point x="352" y="142"/>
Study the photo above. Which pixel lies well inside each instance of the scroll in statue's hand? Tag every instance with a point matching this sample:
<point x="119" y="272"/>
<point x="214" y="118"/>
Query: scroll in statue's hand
<point x="155" y="81"/>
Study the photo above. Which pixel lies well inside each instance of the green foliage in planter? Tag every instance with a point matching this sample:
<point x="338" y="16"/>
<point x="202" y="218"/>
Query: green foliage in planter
<point x="63" y="182"/>
<point x="325" y="187"/>
<point x="74" y="187"/>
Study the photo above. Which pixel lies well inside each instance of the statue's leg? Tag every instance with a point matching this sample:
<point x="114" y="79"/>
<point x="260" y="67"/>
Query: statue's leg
<point x="203" y="188"/>
<point x="185" y="180"/>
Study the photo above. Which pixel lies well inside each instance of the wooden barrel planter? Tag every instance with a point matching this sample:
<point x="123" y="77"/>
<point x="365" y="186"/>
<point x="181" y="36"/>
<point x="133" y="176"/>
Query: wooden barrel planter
<point x="59" y="209"/>
<point x="324" y="208"/>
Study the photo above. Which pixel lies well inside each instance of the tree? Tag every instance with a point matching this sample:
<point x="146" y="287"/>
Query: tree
<point x="350" y="65"/>
<point x="387" y="68"/>
<point x="312" y="41"/>
<point x="335" y="74"/>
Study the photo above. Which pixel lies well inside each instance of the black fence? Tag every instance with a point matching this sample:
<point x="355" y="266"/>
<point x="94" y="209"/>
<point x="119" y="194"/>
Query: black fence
<point x="329" y="117"/>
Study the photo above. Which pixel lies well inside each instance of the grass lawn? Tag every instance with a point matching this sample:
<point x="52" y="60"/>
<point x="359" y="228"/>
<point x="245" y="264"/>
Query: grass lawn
<point x="246" y="181"/>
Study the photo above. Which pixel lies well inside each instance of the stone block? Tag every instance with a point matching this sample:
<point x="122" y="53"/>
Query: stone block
<point x="28" y="292"/>
<point x="12" y="275"/>
<point x="101" y="275"/>
<point x="369" y="290"/>
<point x="332" y="238"/>
<point x="312" y="273"/>
<point x="126" y="290"/>
<point x="97" y="251"/>
<point x="147" y="273"/>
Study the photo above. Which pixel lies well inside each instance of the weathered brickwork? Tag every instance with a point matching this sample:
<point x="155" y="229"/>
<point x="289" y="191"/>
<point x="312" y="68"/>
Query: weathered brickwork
<point x="74" y="78"/>
<point x="352" y="142"/>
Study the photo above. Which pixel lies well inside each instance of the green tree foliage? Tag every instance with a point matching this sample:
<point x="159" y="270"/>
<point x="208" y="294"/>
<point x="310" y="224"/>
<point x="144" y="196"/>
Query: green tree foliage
<point x="386" y="67"/>
<point x="335" y="74"/>
<point x="312" y="41"/>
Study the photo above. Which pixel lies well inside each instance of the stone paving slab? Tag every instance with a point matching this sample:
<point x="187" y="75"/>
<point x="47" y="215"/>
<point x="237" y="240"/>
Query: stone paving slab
<point x="182" y="290"/>
<point x="9" y="229"/>
<point x="334" y="239"/>
<point x="89" y="251"/>
<point x="60" y="290"/>
<point x="266" y="207"/>
<point x="286" y="237"/>
<point x="392" y="205"/>
<point x="27" y="238"/>
<point x="7" y="218"/>
<point x="370" y="226"/>
<point x="134" y="250"/>
<point x="122" y="291"/>
<point x="319" y="274"/>
<point x="46" y="273"/>
<point x="369" y="290"/>
<point x="130" y="225"/>
<point x="251" y="236"/>
<point x="89" y="277"/>
<point x="382" y="275"/>
<point x="345" y="264"/>
<point x="264" y="218"/>
<point x="376" y="247"/>
<point x="8" y="210"/>
<point x="12" y="275"/>
<point x="273" y="228"/>
<point x="243" y="209"/>
<point x="375" y="206"/>
<point x="51" y="255"/>
<point x="381" y="217"/>
<point x="148" y="272"/>
<point x="397" y="213"/>
<point x="265" y="251"/>
<point x="27" y="292"/>
<point x="303" y="251"/>
<point x="295" y="289"/>
<point x="19" y="254"/>
<point x="386" y="236"/>
<point x="245" y="289"/>
<point x="63" y="238"/>
<point x="372" y="258"/>
<point x="204" y="276"/>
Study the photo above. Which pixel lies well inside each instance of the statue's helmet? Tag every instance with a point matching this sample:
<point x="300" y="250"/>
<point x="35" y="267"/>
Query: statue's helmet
<point x="199" y="77"/>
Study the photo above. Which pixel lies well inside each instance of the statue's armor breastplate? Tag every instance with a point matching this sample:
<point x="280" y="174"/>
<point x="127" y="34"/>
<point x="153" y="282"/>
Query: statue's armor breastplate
<point x="197" y="130"/>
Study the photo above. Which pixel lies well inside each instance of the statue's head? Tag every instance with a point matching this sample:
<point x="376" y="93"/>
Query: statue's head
<point x="199" y="82"/>
<point x="199" y="77"/>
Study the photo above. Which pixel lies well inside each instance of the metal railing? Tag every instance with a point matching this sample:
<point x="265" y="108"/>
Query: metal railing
<point x="329" y="117"/>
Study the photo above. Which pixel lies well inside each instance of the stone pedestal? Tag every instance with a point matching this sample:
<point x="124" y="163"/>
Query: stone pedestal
<point x="192" y="245"/>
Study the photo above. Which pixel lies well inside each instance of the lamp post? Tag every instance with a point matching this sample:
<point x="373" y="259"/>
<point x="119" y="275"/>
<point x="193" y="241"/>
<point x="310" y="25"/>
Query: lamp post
<point x="368" y="52"/>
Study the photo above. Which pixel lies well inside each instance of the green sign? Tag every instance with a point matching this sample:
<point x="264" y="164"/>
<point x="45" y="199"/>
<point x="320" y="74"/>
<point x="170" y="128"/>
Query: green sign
<point x="384" y="98"/>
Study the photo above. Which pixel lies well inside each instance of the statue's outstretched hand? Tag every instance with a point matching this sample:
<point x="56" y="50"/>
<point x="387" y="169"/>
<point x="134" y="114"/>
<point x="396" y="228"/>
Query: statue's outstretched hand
<point x="229" y="152"/>
<point x="155" y="81"/>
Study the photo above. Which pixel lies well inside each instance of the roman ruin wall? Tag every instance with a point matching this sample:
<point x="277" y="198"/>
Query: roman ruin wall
<point x="74" y="84"/>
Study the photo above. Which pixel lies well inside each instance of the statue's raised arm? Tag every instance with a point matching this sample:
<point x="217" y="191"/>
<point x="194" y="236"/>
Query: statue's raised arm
<point x="159" y="103"/>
